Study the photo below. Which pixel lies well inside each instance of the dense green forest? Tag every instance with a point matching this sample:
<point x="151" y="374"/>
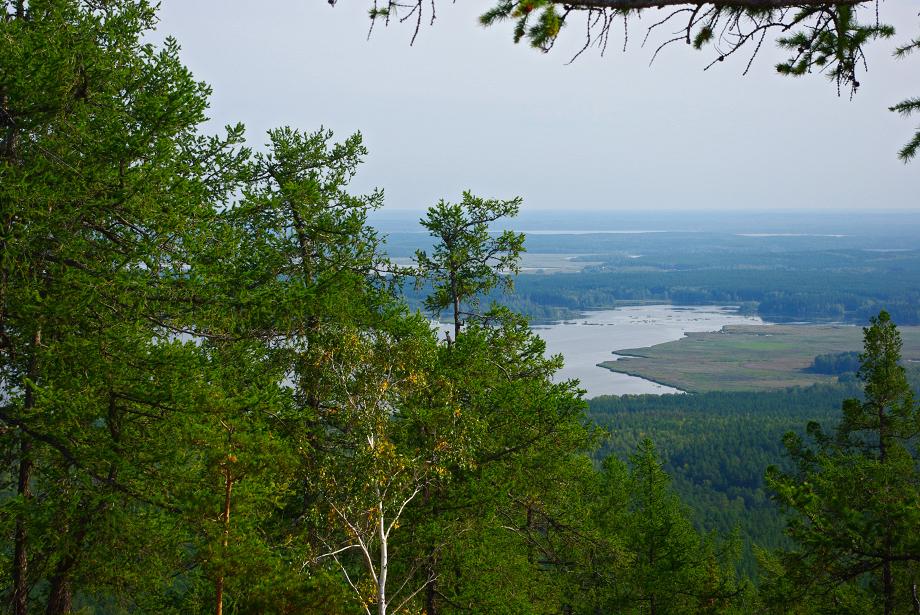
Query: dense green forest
<point x="780" y="280"/>
<point x="717" y="446"/>
<point x="215" y="397"/>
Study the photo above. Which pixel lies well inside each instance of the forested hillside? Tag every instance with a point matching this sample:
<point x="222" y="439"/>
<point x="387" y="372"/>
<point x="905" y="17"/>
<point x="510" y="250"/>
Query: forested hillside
<point x="716" y="447"/>
<point x="215" y="397"/>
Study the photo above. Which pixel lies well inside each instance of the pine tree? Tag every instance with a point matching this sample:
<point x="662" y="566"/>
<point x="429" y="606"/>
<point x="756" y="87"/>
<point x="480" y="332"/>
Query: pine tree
<point x="653" y="560"/>
<point x="493" y="532"/>
<point x="103" y="174"/>
<point x="855" y="496"/>
<point x="467" y="262"/>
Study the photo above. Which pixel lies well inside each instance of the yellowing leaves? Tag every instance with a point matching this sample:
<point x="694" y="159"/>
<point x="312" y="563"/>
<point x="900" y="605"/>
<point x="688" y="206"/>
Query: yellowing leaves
<point x="416" y="378"/>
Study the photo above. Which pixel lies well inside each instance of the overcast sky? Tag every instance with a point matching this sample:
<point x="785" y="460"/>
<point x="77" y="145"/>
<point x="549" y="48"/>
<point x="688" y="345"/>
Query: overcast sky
<point x="466" y="108"/>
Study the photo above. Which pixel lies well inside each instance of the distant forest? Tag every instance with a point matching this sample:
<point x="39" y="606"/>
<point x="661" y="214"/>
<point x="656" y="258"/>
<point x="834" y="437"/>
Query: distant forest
<point x="780" y="279"/>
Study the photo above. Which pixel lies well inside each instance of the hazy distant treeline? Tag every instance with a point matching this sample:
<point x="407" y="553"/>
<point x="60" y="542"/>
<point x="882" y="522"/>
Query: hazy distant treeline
<point x="775" y="295"/>
<point x="792" y="284"/>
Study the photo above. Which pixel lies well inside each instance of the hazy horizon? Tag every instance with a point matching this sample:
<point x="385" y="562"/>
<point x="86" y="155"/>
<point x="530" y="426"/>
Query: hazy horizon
<point x="588" y="221"/>
<point x="466" y="108"/>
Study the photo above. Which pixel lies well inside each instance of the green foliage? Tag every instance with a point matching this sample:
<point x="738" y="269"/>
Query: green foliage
<point x="207" y="363"/>
<point x="152" y="325"/>
<point x="854" y="496"/>
<point x="654" y="561"/>
<point x="907" y="108"/>
<point x="716" y="447"/>
<point x="524" y="439"/>
<point x="516" y="496"/>
<point x="703" y="36"/>
<point x="103" y="173"/>
<point x="834" y="47"/>
<point x="467" y="262"/>
<point x="213" y="396"/>
<point x="541" y="33"/>
<point x="836" y="364"/>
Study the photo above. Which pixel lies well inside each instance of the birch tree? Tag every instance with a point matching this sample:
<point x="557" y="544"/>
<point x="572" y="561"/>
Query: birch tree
<point x="379" y="465"/>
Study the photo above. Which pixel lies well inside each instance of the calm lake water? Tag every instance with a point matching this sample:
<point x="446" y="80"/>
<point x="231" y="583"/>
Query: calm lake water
<point x="596" y="336"/>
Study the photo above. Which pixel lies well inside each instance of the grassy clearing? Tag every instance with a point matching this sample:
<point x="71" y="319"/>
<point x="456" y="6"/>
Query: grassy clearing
<point x="749" y="358"/>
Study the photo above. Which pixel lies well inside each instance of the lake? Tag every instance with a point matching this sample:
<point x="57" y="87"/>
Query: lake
<point x="596" y="336"/>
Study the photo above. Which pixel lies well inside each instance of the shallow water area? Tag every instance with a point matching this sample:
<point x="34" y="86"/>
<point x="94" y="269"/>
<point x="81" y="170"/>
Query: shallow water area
<point x="597" y="335"/>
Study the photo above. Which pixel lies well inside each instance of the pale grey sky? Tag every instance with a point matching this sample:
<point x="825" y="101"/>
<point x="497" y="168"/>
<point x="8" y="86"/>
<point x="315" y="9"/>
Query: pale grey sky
<point x="466" y="108"/>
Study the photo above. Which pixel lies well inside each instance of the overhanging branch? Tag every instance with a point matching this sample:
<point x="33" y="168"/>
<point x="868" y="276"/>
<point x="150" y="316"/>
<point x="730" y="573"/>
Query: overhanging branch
<point x="753" y="5"/>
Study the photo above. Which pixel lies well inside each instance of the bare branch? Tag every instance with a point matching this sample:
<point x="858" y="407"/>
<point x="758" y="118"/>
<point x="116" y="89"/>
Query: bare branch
<point x="402" y="507"/>
<point x="351" y="584"/>
<point x="429" y="581"/>
<point x="329" y="554"/>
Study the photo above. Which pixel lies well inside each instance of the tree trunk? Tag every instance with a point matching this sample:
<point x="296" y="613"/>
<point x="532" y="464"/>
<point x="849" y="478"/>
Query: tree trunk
<point x="652" y="602"/>
<point x="883" y="434"/>
<point x="887" y="582"/>
<point x="20" y="555"/>
<point x="60" y="596"/>
<point x="20" y="549"/>
<point x="9" y="136"/>
<point x="219" y="583"/>
<point x="456" y="298"/>
<point x="219" y="591"/>
<point x="305" y="245"/>
<point x="431" y="592"/>
<point x="888" y="588"/>
<point x="384" y="567"/>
